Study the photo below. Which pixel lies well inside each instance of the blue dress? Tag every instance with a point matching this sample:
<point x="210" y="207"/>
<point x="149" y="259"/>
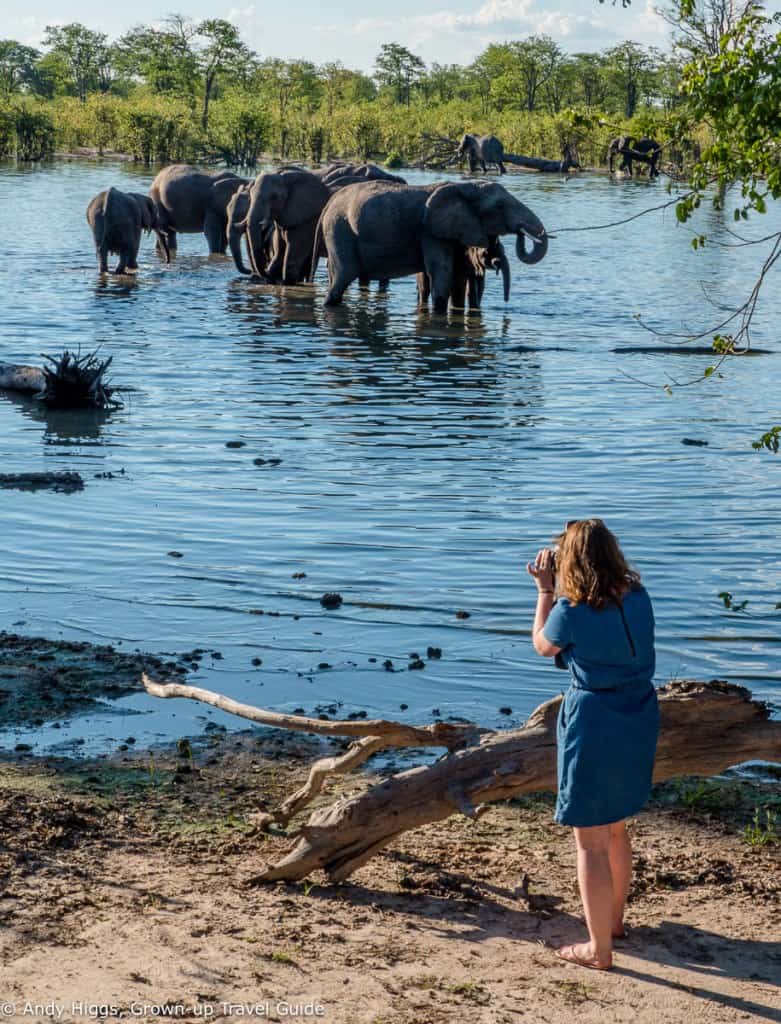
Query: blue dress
<point x="609" y="719"/>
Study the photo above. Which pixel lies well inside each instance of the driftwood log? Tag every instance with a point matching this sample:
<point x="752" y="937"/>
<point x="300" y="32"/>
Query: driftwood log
<point x="67" y="381"/>
<point x="534" y="163"/>
<point x="705" y="728"/>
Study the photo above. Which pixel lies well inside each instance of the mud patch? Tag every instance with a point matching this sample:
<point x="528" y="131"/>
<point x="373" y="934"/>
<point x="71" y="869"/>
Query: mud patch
<point x="42" y="680"/>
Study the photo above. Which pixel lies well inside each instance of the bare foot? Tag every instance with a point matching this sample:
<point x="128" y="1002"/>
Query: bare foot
<point x="582" y="955"/>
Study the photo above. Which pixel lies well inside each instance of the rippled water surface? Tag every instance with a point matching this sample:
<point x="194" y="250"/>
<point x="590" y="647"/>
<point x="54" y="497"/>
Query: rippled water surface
<point x="423" y="461"/>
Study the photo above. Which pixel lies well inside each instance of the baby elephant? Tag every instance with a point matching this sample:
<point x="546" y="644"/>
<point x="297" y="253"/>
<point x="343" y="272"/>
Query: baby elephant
<point x="117" y="220"/>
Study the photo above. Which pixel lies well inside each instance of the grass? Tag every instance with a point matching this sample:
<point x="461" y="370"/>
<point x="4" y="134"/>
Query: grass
<point x="279" y="956"/>
<point x="573" y="992"/>
<point x="473" y="991"/>
<point x="759" y="832"/>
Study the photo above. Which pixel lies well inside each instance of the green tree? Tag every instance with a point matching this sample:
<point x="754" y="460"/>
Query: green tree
<point x="399" y="69"/>
<point x="445" y="82"/>
<point x="86" y="54"/>
<point x="340" y="85"/>
<point x="51" y="76"/>
<point x="163" y="58"/>
<point x="698" y="26"/>
<point x="539" y="58"/>
<point x="589" y="80"/>
<point x="222" y="54"/>
<point x="631" y="68"/>
<point x="17" y="66"/>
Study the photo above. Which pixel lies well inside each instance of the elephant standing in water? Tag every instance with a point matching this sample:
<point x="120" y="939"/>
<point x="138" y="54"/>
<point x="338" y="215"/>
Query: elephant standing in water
<point x="645" y="150"/>
<point x="470" y="265"/>
<point x="117" y="220"/>
<point x="378" y="230"/>
<point x="482" y="150"/>
<point x="190" y="201"/>
<point x="278" y="214"/>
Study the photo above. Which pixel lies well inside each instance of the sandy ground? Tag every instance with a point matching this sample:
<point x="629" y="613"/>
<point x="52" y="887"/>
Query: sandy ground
<point x="125" y="892"/>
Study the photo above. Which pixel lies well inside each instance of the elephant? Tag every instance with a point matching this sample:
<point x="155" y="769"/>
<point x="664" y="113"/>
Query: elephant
<point x="645" y="150"/>
<point x="470" y="264"/>
<point x="371" y="172"/>
<point x="482" y="150"/>
<point x="189" y="201"/>
<point x="278" y="215"/>
<point x="377" y="230"/>
<point x="287" y="205"/>
<point x="117" y="220"/>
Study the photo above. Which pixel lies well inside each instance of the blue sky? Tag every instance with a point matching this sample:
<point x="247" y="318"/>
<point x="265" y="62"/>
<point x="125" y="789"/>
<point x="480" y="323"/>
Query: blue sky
<point x="448" y="31"/>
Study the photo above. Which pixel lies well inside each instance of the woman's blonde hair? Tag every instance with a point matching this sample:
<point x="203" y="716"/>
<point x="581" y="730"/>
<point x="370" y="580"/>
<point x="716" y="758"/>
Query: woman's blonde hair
<point x="590" y="565"/>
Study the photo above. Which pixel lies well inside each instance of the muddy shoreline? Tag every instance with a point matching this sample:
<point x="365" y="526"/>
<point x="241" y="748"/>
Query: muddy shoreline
<point x="125" y="880"/>
<point x="126" y="885"/>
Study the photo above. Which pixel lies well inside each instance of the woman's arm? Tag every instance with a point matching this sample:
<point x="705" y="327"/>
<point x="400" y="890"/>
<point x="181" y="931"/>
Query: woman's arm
<point x="542" y="573"/>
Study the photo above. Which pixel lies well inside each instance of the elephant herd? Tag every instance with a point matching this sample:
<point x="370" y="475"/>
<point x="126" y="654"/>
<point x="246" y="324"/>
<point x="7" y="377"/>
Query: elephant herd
<point x="370" y="225"/>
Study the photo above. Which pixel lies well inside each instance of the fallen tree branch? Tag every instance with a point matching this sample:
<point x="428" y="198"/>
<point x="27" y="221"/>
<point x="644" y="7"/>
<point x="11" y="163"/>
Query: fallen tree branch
<point x="70" y="381"/>
<point x="705" y="728"/>
<point x="371" y="736"/>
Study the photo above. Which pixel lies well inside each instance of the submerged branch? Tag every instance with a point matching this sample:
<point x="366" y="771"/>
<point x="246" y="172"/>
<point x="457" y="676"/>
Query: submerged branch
<point x="69" y="381"/>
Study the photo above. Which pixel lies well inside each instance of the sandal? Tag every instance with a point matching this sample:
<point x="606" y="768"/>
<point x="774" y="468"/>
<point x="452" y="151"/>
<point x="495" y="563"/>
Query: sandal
<point x="568" y="953"/>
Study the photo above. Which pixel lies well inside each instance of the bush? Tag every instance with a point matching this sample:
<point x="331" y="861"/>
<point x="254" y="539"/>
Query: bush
<point x="26" y="132"/>
<point x="154" y="130"/>
<point x="7" y="133"/>
<point x="239" y="130"/>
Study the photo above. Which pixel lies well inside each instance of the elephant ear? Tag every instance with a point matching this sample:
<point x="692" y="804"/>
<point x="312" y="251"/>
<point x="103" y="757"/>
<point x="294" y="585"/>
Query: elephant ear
<point x="307" y="194"/>
<point x="452" y="212"/>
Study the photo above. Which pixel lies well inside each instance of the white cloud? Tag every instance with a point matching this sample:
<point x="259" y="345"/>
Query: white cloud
<point x="241" y="16"/>
<point x="491" y="21"/>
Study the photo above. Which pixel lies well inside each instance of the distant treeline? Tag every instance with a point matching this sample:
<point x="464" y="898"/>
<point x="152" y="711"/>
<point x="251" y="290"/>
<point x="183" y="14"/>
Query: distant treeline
<point x="190" y="91"/>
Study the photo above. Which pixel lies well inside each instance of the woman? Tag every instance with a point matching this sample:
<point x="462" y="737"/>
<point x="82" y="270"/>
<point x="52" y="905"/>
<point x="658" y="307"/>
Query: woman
<point x="602" y="629"/>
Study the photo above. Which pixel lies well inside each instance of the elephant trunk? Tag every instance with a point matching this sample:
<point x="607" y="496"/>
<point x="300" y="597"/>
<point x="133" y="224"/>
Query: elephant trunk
<point x="255" y="244"/>
<point x="539" y="246"/>
<point x="234" y="240"/>
<point x="504" y="267"/>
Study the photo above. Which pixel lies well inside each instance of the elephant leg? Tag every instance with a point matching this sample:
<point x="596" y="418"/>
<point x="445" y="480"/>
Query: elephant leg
<point x="338" y="285"/>
<point x="214" y="229"/>
<point x="363" y="281"/>
<point x="424" y="288"/>
<point x="502" y="168"/>
<point x="135" y="245"/>
<point x="458" y="286"/>
<point x="440" y="290"/>
<point x="125" y="258"/>
<point x="383" y="284"/>
<point x="102" y="251"/>
<point x="343" y="263"/>
<point x="439" y="257"/>
<point x="476" y="286"/>
<point x="167" y="249"/>
<point x="483" y="165"/>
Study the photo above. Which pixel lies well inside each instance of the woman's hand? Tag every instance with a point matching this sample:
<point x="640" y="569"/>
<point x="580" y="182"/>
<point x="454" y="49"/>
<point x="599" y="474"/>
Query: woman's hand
<point x="542" y="570"/>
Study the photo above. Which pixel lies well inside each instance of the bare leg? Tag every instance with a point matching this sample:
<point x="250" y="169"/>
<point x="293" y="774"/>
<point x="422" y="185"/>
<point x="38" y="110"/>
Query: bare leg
<point x="620" y="854"/>
<point x="596" y="891"/>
